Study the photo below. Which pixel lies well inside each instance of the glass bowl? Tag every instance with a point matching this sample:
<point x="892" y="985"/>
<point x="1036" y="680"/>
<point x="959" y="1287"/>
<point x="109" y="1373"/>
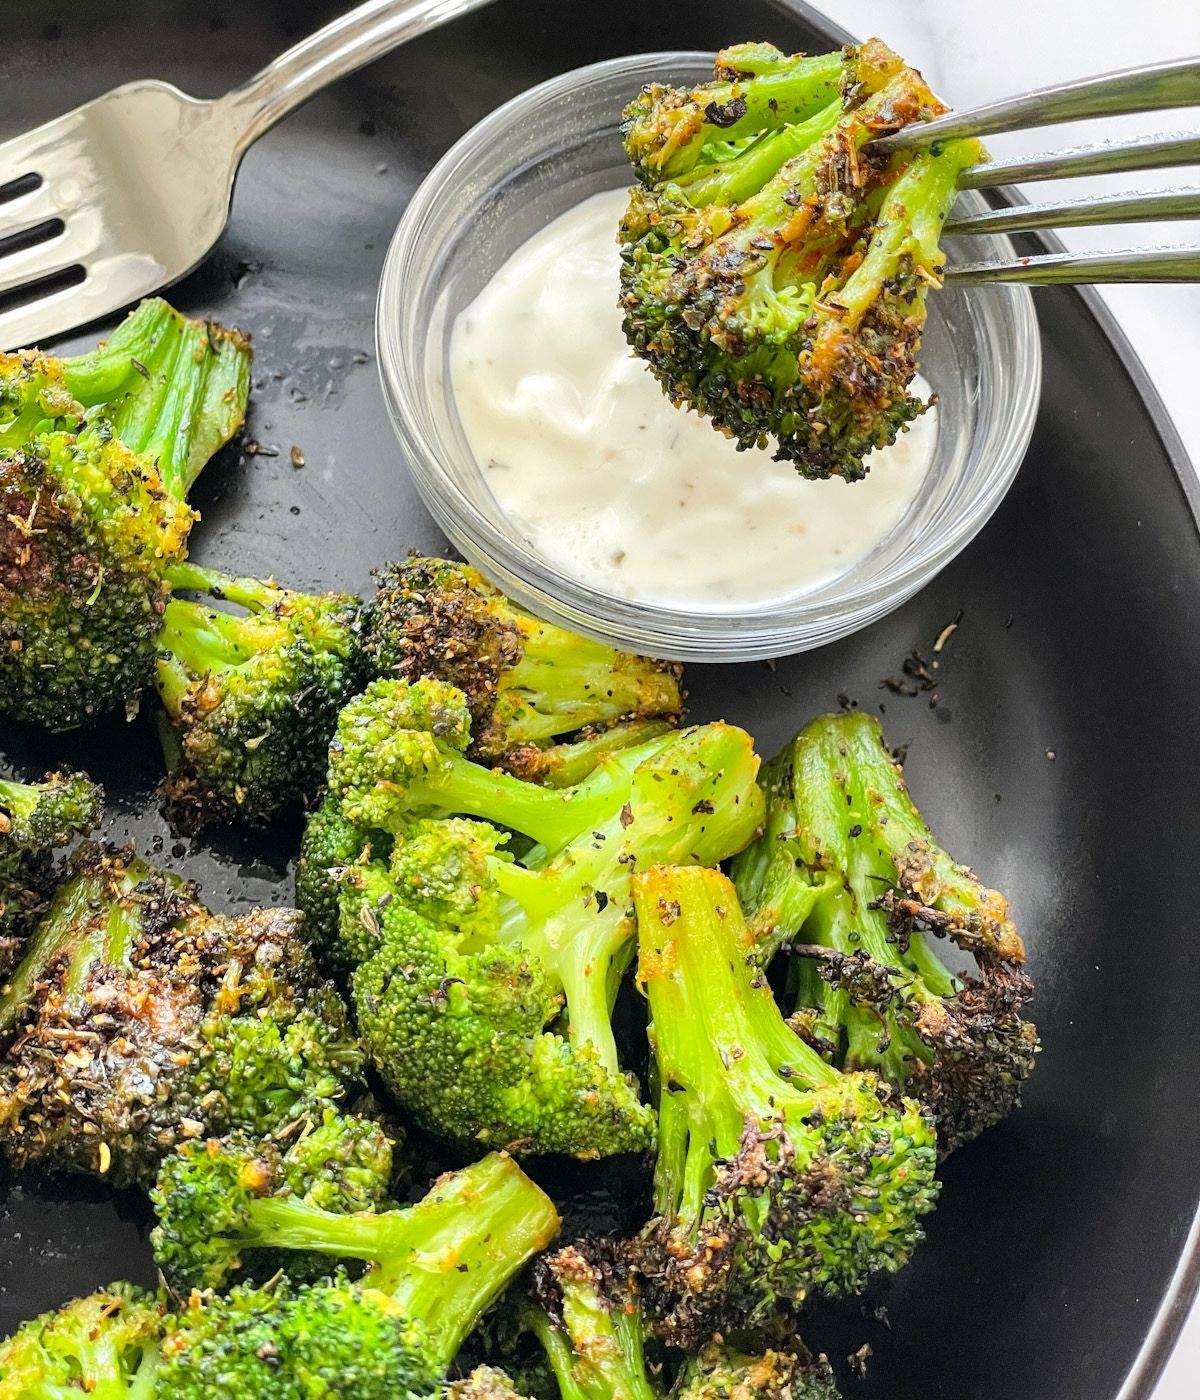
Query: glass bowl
<point x="533" y="159"/>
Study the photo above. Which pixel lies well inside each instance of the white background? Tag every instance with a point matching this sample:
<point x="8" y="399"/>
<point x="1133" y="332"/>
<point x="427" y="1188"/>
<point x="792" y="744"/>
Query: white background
<point x="972" y="52"/>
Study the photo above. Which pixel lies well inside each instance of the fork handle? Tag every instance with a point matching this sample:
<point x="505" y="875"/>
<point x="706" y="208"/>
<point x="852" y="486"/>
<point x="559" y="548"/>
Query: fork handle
<point x="346" y="43"/>
<point x="1155" y="85"/>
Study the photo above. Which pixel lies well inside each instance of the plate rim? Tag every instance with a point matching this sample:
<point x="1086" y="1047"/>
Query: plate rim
<point x="1181" y="1294"/>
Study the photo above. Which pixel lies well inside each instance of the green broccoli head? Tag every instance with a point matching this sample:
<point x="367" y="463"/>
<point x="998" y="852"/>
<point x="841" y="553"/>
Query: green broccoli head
<point x="434" y="1268"/>
<point x="87" y="530"/>
<point x="104" y="1345"/>
<point x="777" y="1175"/>
<point x="526" y="682"/>
<point x="721" y="1373"/>
<point x="251" y="697"/>
<point x="774" y="267"/>
<point x="456" y="1022"/>
<point x="484" y="985"/>
<point x="849" y="871"/>
<point x="37" y="819"/>
<point x="397" y="751"/>
<point x="331" y="843"/>
<point x="208" y="1195"/>
<point x="286" y="1340"/>
<point x="139" y="1020"/>
<point x="96" y="456"/>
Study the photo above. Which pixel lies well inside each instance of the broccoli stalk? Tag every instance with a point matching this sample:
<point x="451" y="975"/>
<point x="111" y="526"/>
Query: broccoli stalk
<point x="137" y="1019"/>
<point x="96" y="456"/>
<point x="399" y="754"/>
<point x="105" y="1345"/>
<point x="591" y="1334"/>
<point x="484" y="986"/>
<point x="849" y="870"/>
<point x="36" y="819"/>
<point x="526" y="681"/>
<point x="776" y="1174"/>
<point x="563" y="765"/>
<point x="667" y="131"/>
<point x="433" y="1268"/>
<point x="589" y="1322"/>
<point x="251" y="697"/>
<point x="775" y="279"/>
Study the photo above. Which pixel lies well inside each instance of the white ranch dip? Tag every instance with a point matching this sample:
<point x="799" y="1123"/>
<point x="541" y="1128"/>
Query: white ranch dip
<point x="612" y="484"/>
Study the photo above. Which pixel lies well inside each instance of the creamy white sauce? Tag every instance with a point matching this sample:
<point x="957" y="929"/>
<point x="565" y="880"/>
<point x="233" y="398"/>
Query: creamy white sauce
<point x="608" y="481"/>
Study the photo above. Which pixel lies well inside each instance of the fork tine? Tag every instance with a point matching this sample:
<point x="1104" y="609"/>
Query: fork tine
<point x="1150" y="88"/>
<point x="27" y="211"/>
<point x="75" y="244"/>
<point x="28" y="153"/>
<point x="1159" y="152"/>
<point x="1132" y="265"/>
<point x="36" y="321"/>
<point x="1078" y="213"/>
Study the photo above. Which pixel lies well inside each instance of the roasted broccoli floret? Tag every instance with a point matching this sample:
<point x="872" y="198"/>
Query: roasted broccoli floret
<point x="468" y="962"/>
<point x="590" y="1327"/>
<point x="721" y="1373"/>
<point x="331" y="842"/>
<point x="105" y="1345"/>
<point x="37" y="819"/>
<point x="434" y="1268"/>
<point x="96" y="456"/>
<point x="774" y="266"/>
<point x="777" y="1174"/>
<point x="204" y="1189"/>
<point x="252" y="696"/>
<point x="526" y="681"/>
<point x="851" y="874"/>
<point x="137" y="1019"/>
<point x="588" y="1318"/>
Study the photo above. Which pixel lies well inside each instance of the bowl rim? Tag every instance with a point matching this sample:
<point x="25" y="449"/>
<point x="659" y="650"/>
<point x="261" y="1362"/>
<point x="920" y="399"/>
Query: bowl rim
<point x="756" y="631"/>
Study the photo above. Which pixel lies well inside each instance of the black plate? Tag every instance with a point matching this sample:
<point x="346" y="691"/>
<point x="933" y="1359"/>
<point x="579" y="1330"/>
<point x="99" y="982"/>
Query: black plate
<point x="1061" y="757"/>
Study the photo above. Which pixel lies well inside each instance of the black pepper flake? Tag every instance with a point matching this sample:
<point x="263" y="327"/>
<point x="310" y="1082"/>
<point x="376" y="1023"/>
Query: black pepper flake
<point x="703" y="808"/>
<point x="856" y="829"/>
<point x="141" y="368"/>
<point x="725" y="114"/>
<point x="601" y="901"/>
<point x="627" y="815"/>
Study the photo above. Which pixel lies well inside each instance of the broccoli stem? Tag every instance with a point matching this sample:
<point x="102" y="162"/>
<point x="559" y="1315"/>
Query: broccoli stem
<point x="551" y="817"/>
<point x="173" y="389"/>
<point x="597" y="1353"/>
<point x="717" y="1032"/>
<point x="18" y="800"/>
<point x="55" y="933"/>
<point x="560" y="678"/>
<point x="442" y="1260"/>
<point x="784" y="91"/>
<point x="573" y="910"/>
<point x="477" y="1227"/>
<point x="909" y="225"/>
<point x="250" y="593"/>
<point x="736" y="179"/>
<point x="564" y="765"/>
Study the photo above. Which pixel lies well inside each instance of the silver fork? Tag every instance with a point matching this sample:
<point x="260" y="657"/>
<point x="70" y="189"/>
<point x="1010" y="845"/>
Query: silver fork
<point x="128" y="192"/>
<point x="1153" y="87"/>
